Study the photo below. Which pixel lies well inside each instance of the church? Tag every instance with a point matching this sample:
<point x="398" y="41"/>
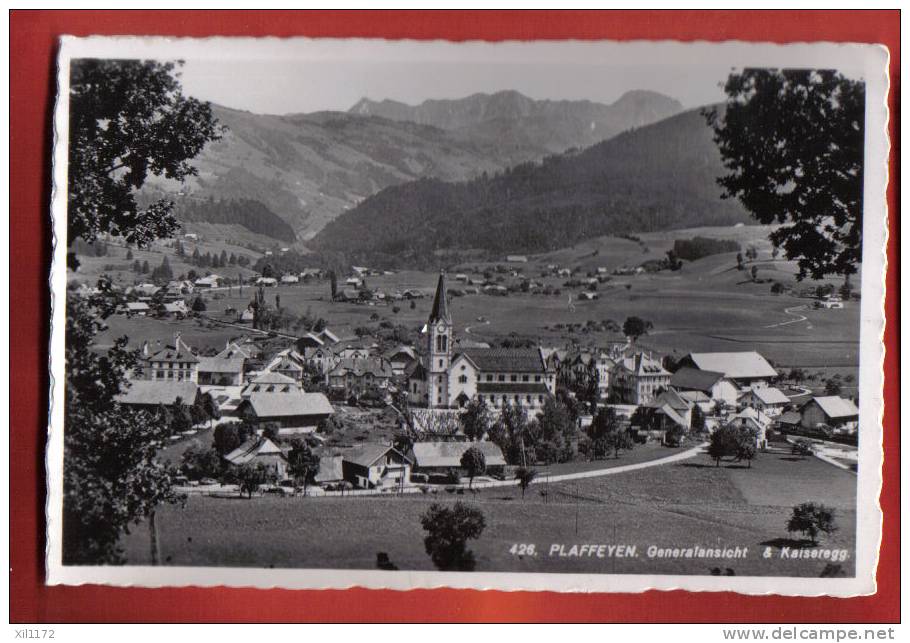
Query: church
<point x="448" y="376"/>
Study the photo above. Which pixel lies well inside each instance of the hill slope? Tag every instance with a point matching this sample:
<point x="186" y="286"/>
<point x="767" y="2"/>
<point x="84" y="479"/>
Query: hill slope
<point x="657" y="177"/>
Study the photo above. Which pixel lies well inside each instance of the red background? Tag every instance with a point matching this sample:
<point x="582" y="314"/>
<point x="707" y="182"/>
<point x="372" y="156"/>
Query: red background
<point x="32" y="48"/>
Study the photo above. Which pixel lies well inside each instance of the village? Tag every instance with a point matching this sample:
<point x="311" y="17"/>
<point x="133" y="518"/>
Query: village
<point x="320" y="413"/>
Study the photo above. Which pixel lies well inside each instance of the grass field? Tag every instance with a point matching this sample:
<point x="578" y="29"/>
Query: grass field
<point x="678" y="505"/>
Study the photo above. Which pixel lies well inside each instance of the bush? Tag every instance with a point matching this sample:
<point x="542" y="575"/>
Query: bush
<point x="811" y="519"/>
<point x="448" y="531"/>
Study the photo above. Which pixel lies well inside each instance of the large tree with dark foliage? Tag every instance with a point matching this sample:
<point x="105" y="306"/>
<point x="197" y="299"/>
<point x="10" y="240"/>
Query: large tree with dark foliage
<point x="129" y="119"/>
<point x="111" y="477"/>
<point x="792" y="141"/>
<point x="448" y="531"/>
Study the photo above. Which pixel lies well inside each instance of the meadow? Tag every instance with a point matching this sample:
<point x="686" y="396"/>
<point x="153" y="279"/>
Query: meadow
<point x="676" y="505"/>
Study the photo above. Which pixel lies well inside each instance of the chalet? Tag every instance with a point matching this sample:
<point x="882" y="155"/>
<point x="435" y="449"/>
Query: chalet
<point x="322" y="357"/>
<point x="238" y="349"/>
<point x="754" y="420"/>
<point x="136" y="309"/>
<point x="293" y="411"/>
<point x="352" y="377"/>
<point x="675" y="407"/>
<point x="174" y="310"/>
<point x="143" y="291"/>
<point x="210" y="281"/>
<point x="289" y="363"/>
<point x="176" y="362"/>
<point x="260" y="450"/>
<point x="714" y="385"/>
<point x="439" y="457"/>
<point x="637" y="379"/>
<point x="831" y="411"/>
<point x="290" y="279"/>
<point x="789" y="422"/>
<point x="747" y="369"/>
<point x="221" y="371"/>
<point x="183" y="287"/>
<point x="769" y="400"/>
<point x="462" y="277"/>
<point x="355" y="282"/>
<point x="372" y="466"/>
<point x="268" y="282"/>
<point x="412" y="294"/>
<point x="399" y="358"/>
<point x="148" y="395"/>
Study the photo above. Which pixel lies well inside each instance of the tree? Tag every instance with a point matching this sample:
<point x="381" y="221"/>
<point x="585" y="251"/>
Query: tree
<point x="635" y="327"/>
<point x="163" y="272"/>
<point x="746" y="439"/>
<point x="739" y="261"/>
<point x="129" y="119"/>
<point x="811" y="519"/>
<point x="557" y="427"/>
<point x="608" y="434"/>
<point x="475" y="419"/>
<point x="474" y="463"/>
<point x="698" y="419"/>
<point x="777" y="288"/>
<point x="303" y="464"/>
<point x="200" y="461"/>
<point x="129" y="254"/>
<point x="112" y="478"/>
<point x="724" y="443"/>
<point x="251" y="476"/>
<point x="802" y="448"/>
<point x="833" y="387"/>
<point x="145" y="267"/>
<point x="178" y="248"/>
<point x="754" y="273"/>
<point x="448" y="531"/>
<point x="199" y="304"/>
<point x="229" y="436"/>
<point x="792" y="141"/>
<point x="525" y="477"/>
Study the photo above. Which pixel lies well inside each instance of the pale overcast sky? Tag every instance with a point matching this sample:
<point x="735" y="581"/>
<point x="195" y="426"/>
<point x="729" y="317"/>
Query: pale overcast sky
<point x="280" y="76"/>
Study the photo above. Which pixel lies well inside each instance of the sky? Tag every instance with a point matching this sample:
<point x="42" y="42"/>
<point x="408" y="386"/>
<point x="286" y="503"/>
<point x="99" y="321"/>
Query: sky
<point x="301" y="75"/>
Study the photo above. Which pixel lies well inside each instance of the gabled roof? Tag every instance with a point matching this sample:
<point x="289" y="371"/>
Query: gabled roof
<point x="401" y="350"/>
<point x="448" y="454"/>
<point x="234" y="349"/>
<point x="221" y="364"/>
<point x="377" y="367"/>
<point x="440" y="309"/>
<point x="836" y="407"/>
<point x="672" y="399"/>
<point x="137" y="305"/>
<point x="273" y="405"/>
<point x="154" y="392"/>
<point x="790" y="417"/>
<point x="366" y="454"/>
<point x="642" y="364"/>
<point x="179" y="352"/>
<point x="527" y="360"/>
<point x="270" y="377"/>
<point x="252" y="448"/>
<point x="739" y="365"/>
<point x="694" y="379"/>
<point x="769" y="395"/>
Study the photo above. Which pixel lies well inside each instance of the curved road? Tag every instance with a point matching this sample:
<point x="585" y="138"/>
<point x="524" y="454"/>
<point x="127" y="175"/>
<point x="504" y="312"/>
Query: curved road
<point x="792" y="311"/>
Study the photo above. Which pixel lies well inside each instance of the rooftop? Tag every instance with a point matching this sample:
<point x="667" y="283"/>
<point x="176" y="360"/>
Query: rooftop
<point x="739" y="365"/>
<point x="694" y="379"/>
<point x="836" y="407"/>
<point x="269" y="405"/>
<point x="527" y="360"/>
<point x="154" y="392"/>
<point x="448" y="454"/>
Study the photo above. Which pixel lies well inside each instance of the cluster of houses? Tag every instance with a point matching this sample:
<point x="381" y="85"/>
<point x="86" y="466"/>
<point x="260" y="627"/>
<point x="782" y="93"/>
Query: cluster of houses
<point x="444" y="375"/>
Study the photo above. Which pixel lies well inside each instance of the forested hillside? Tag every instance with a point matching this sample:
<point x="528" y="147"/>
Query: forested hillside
<point x="249" y="213"/>
<point x="656" y="177"/>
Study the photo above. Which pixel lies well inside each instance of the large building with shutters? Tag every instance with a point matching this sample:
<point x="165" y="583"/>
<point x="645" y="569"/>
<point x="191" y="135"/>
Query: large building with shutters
<point x="449" y="377"/>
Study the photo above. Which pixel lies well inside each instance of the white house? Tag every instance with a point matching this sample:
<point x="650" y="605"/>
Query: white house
<point x="747" y="369"/>
<point x="836" y="412"/>
<point x="371" y="466"/>
<point x="712" y="384"/>
<point x="769" y="400"/>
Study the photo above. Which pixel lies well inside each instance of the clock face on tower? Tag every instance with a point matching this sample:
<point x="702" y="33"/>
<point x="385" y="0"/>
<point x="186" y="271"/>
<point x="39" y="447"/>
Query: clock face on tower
<point x="442" y="328"/>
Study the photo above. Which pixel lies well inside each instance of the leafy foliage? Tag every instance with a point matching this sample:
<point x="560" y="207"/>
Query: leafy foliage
<point x="303" y="463"/>
<point x="812" y="519"/>
<point x="792" y="142"/>
<point x="249" y="213"/>
<point x="448" y="531"/>
<point x="474" y="463"/>
<point x="635" y="327"/>
<point x="111" y="477"/>
<point x="525" y="477"/>
<point x="700" y="247"/>
<point x="475" y="419"/>
<point x="129" y="119"/>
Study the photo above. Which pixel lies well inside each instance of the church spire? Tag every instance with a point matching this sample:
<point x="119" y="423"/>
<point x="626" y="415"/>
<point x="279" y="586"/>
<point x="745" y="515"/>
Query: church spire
<point x="440" y="310"/>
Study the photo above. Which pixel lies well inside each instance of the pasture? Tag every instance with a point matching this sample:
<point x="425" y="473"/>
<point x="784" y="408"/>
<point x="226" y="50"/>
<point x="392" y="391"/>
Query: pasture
<point x="691" y="503"/>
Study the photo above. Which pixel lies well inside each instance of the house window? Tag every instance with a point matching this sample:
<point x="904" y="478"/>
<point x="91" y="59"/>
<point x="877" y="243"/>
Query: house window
<point x="439" y="379"/>
<point x="537" y="378"/>
<point x="463" y="379"/>
<point x="524" y="378"/>
<point x="540" y="398"/>
<point x="514" y="378"/>
<point x="489" y="378"/>
<point x="440" y="363"/>
<point x="502" y="378"/>
<point x="505" y="398"/>
<point x="517" y="399"/>
<point x="529" y="399"/>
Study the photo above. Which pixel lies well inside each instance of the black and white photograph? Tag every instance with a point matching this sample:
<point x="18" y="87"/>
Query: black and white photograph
<point x="569" y="316"/>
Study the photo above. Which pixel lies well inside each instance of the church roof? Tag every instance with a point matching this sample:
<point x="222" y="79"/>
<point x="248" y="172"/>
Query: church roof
<point x="440" y="309"/>
<point x="506" y="359"/>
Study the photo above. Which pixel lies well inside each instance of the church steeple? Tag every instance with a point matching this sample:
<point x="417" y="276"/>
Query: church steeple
<point x="440" y="310"/>
<point x="440" y="345"/>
